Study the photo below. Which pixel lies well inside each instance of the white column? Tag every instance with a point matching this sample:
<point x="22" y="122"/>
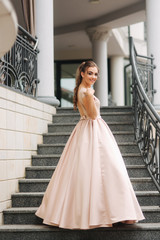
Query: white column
<point x="153" y="42"/>
<point x="99" y="39"/>
<point x="44" y="32"/>
<point x="117" y="80"/>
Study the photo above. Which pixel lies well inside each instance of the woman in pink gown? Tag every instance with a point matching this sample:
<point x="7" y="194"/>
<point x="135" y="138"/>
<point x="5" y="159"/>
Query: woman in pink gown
<point x="90" y="187"/>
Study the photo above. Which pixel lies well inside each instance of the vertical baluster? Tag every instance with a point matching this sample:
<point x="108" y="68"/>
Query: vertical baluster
<point x="158" y="159"/>
<point x="7" y="70"/>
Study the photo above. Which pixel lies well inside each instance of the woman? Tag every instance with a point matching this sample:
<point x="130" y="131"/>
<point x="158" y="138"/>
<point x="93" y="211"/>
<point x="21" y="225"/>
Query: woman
<point x="90" y="187"/>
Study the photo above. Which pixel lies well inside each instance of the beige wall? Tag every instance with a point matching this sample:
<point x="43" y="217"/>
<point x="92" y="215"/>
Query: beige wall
<point x="23" y="120"/>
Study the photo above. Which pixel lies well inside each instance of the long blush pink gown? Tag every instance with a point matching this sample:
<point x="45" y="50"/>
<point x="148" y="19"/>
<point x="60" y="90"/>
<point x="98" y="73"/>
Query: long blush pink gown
<point x="90" y="187"/>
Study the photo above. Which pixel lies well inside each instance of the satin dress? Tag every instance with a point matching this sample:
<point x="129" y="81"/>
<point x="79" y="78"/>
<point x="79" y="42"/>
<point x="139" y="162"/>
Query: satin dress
<point x="90" y="187"/>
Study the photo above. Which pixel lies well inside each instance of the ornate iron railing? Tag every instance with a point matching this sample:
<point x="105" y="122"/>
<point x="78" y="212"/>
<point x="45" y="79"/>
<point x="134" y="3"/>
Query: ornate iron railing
<point x="18" y="67"/>
<point x="146" y="118"/>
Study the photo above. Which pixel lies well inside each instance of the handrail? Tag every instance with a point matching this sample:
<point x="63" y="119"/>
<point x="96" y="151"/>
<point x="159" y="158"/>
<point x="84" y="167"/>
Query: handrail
<point x="146" y="118"/>
<point x="29" y="36"/>
<point x="26" y="33"/>
<point x="133" y="62"/>
<point x="18" y="68"/>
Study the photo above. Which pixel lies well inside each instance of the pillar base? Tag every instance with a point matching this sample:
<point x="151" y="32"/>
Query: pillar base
<point x="49" y="100"/>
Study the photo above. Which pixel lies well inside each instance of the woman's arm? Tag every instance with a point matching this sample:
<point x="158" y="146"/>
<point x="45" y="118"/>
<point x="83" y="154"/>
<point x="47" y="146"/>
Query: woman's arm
<point x="89" y="104"/>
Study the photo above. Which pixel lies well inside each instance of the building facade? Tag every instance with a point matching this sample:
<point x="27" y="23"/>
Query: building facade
<point x="70" y="32"/>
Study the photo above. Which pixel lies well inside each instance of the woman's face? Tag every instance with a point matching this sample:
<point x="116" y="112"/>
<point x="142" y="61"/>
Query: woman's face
<point x="90" y="76"/>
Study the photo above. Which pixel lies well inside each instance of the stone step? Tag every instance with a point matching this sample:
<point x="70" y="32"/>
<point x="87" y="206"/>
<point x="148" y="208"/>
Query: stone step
<point x="33" y="185"/>
<point x="125" y="147"/>
<point x="41" y="172"/>
<point x="52" y="159"/>
<point x="140" y="231"/>
<point x="143" y="184"/>
<point x="45" y="160"/>
<point x="30" y="199"/>
<point x="108" y="117"/>
<point x="40" y="185"/>
<point x="102" y="109"/>
<point x="68" y="127"/>
<point x="27" y="215"/>
<point x="128" y="147"/>
<point x="62" y="137"/>
<point x="137" y="171"/>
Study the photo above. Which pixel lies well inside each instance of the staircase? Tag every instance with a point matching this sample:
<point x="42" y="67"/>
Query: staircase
<point x="20" y="222"/>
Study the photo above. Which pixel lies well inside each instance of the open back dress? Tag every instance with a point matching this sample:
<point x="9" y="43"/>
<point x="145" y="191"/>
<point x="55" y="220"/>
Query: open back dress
<point x="90" y="187"/>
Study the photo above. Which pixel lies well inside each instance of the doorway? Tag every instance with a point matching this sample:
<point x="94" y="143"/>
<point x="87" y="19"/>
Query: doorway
<point x="65" y="74"/>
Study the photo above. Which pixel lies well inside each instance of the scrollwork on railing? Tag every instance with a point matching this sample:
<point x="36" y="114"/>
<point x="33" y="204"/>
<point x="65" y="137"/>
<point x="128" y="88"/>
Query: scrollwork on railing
<point x="18" y="68"/>
<point x="146" y="119"/>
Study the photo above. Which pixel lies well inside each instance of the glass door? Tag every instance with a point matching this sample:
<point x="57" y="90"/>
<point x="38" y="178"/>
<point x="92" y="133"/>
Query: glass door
<point x="65" y="82"/>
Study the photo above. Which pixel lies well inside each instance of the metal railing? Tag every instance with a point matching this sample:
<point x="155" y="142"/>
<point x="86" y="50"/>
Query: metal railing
<point x="146" y="118"/>
<point x="18" y="67"/>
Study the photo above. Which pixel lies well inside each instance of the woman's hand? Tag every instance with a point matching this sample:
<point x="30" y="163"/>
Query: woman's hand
<point x="89" y="91"/>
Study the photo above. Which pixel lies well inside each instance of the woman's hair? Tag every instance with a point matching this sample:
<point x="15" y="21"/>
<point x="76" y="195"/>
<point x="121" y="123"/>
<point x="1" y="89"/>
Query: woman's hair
<point x="82" y="68"/>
